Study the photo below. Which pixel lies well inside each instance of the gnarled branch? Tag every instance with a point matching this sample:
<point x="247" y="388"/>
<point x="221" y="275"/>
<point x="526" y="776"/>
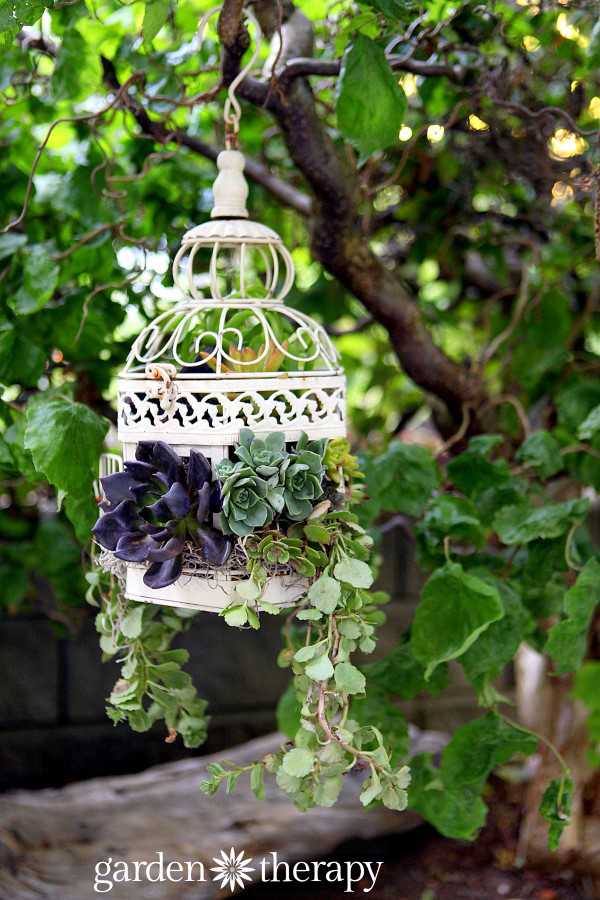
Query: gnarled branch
<point x="336" y="240"/>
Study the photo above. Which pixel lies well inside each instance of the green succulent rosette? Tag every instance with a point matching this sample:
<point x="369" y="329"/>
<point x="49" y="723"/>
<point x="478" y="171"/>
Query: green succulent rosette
<point x="268" y="480"/>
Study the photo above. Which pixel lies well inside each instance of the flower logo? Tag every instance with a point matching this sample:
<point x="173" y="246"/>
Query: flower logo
<point x="233" y="869"/>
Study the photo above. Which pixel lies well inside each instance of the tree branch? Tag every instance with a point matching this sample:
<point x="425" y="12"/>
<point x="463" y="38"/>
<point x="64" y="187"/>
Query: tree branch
<point x="303" y="66"/>
<point x="259" y="173"/>
<point x="336" y="240"/>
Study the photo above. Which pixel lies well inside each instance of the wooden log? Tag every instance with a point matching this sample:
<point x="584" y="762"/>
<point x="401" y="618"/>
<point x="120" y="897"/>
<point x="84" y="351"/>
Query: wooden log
<point x="51" y="840"/>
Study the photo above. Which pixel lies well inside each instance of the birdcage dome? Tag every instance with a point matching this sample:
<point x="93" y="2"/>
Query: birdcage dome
<point x="230" y="354"/>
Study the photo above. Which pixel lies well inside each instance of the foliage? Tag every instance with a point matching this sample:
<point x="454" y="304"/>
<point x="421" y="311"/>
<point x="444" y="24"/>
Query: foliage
<point x="154" y="506"/>
<point x="151" y="671"/>
<point x="336" y="617"/>
<point x="269" y="480"/>
<point x="474" y="186"/>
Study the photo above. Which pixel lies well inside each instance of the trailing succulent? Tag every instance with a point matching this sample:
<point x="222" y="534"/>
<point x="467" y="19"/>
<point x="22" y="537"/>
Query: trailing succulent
<point x="268" y="481"/>
<point x="292" y="507"/>
<point x="154" y="506"/>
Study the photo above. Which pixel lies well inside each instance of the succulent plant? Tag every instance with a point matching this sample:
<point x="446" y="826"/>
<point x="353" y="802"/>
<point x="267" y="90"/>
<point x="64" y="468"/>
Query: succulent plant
<point x="249" y="360"/>
<point x="154" y="506"/>
<point x="266" y="456"/>
<point x="338" y="456"/>
<point x="303" y="478"/>
<point x="269" y="480"/>
<point x="249" y="500"/>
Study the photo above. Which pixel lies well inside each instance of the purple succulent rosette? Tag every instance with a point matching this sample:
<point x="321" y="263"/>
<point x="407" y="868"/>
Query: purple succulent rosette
<point x="154" y="506"/>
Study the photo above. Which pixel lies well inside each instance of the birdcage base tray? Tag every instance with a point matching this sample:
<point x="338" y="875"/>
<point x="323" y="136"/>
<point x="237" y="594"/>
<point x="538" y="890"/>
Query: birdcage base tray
<point x="211" y="594"/>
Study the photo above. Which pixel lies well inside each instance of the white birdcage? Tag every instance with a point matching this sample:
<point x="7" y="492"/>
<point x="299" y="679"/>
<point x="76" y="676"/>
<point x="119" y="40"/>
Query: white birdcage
<point x="229" y="355"/>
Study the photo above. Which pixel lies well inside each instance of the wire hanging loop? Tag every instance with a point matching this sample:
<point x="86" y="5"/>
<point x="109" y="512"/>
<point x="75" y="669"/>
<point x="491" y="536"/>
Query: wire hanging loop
<point x="232" y="111"/>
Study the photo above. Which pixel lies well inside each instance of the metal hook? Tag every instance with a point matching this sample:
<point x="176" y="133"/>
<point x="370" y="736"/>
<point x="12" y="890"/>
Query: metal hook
<point x="232" y="111"/>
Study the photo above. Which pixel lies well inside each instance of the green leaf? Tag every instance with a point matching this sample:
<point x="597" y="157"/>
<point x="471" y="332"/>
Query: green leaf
<point x="317" y="533"/>
<point x="236" y="616"/>
<point x="371" y="789"/>
<point x="78" y="70"/>
<point x="324" y="594"/>
<point x="497" y="645"/>
<point x="392" y="10"/>
<point x="454" y="609"/>
<point x="453" y="814"/>
<point x="22" y="361"/>
<point x="354" y="572"/>
<point x="447" y="517"/>
<point x="395" y="798"/>
<point x="541" y="452"/>
<point x="131" y="624"/>
<point x="247" y="590"/>
<point x="11" y="243"/>
<point x="587" y="690"/>
<point x="402" y="479"/>
<point x="472" y="472"/>
<point x="576" y="402"/>
<point x="305" y="653"/>
<point x="257" y="782"/>
<point x="308" y="615"/>
<point x="288" y="711"/>
<point x="65" y="439"/>
<point x="399" y="673"/>
<point x="450" y="797"/>
<point x="555" y="808"/>
<point x="477" y="747"/>
<point x="376" y="710"/>
<point x="590" y="425"/>
<point x="40" y="277"/>
<point x="155" y="15"/>
<point x="320" y="669"/>
<point x="298" y="762"/>
<point x="524" y="522"/>
<point x="82" y="512"/>
<point x="567" y="639"/>
<point x="14" y="13"/>
<point x="328" y="790"/>
<point x="349" y="679"/>
<point x="365" y="74"/>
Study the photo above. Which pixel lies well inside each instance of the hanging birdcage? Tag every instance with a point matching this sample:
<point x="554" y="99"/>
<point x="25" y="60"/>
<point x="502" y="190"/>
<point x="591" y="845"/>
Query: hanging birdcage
<point x="229" y="356"/>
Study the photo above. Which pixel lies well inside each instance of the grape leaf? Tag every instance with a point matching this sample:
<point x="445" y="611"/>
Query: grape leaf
<point x="366" y="73"/>
<point x="453" y="611"/>
<point x="555" y="808"/>
<point x="155" y="16"/>
<point x="399" y="673"/>
<point x="78" y="70"/>
<point x="472" y="472"/>
<point x="21" y="360"/>
<point x="541" y="452"/>
<point x="450" y="797"/>
<point x="524" y="522"/>
<point x="497" y="645"/>
<point x="40" y="277"/>
<point x="65" y="439"/>
<point x="590" y="425"/>
<point x="401" y="480"/>
<point x="567" y="639"/>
